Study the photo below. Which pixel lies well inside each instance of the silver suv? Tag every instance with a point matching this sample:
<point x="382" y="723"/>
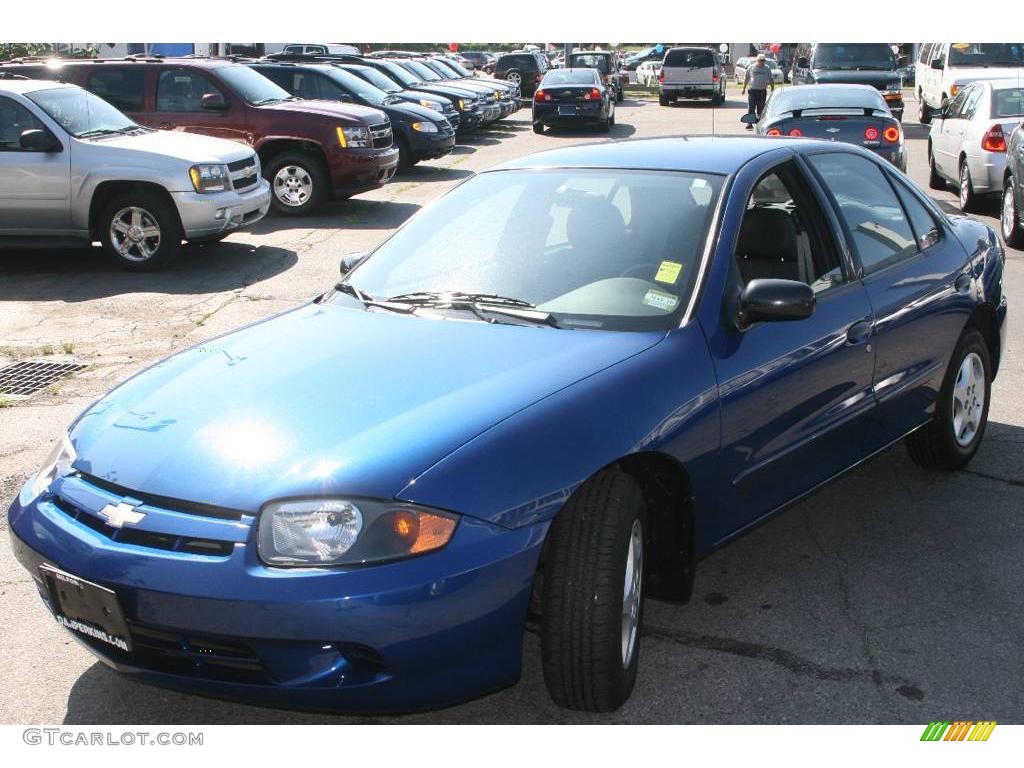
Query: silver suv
<point x="73" y="170"/>
<point x="691" y="73"/>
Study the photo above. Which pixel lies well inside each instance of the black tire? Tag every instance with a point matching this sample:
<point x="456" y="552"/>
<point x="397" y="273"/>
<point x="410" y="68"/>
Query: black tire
<point x="965" y="189"/>
<point x="935" y="180"/>
<point x="154" y="211"/>
<point x="662" y="99"/>
<point x="619" y="94"/>
<point x="924" y="115"/>
<point x="582" y="593"/>
<point x="306" y="165"/>
<point x="405" y="158"/>
<point x="935" y="446"/>
<point x="1009" y="218"/>
<point x="538" y="127"/>
<point x="718" y="99"/>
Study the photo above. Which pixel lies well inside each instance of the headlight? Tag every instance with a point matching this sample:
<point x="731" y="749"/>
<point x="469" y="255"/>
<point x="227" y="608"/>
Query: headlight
<point x="353" y="137"/>
<point x="424" y="127"/>
<point x="58" y="464"/>
<point x="319" y="532"/>
<point x="497" y="95"/>
<point x="209" y="178"/>
<point x="435" y="105"/>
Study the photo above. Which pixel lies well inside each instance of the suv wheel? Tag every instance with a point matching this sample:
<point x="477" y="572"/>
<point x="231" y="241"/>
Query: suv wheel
<point x="592" y="588"/>
<point x="298" y="183"/>
<point x="514" y="77"/>
<point x="662" y="99"/>
<point x="140" y="230"/>
<point x="1009" y="221"/>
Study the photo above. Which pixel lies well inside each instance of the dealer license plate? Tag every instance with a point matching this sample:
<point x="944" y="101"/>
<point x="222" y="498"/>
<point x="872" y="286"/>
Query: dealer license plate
<point x="568" y="110"/>
<point x="86" y="608"/>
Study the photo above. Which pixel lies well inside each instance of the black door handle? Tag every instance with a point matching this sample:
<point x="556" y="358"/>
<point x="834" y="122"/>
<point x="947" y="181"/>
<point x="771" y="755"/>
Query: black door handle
<point x="962" y="282"/>
<point x="860" y="332"/>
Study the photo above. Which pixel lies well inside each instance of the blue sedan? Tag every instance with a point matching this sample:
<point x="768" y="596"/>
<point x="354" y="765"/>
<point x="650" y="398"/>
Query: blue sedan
<point x="637" y="352"/>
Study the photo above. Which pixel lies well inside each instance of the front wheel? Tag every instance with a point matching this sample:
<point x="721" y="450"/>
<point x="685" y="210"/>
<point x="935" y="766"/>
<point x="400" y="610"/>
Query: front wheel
<point x="592" y="595"/>
<point x="140" y="231"/>
<point x="1009" y="222"/>
<point x="298" y="183"/>
<point x="950" y="440"/>
<point x="924" y="115"/>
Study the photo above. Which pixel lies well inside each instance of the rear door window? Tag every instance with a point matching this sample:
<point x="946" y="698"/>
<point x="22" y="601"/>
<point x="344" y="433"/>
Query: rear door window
<point x="1008" y="102"/>
<point x="123" y="88"/>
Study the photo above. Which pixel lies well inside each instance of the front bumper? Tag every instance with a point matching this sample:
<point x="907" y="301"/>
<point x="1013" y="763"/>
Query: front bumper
<point x="213" y="213"/>
<point x="361" y="170"/>
<point x="428" y="146"/>
<point x="420" y="633"/>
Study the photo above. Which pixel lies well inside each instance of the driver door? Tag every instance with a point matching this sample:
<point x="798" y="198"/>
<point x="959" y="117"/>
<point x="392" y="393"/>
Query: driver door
<point x="794" y="395"/>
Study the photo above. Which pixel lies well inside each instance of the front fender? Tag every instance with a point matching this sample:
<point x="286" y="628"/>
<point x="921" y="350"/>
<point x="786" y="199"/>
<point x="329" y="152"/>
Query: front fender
<point x="83" y="186"/>
<point x="522" y="470"/>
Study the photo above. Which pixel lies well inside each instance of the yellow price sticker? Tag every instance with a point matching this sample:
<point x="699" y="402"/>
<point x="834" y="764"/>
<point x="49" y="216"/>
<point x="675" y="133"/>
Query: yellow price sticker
<point x="668" y="272"/>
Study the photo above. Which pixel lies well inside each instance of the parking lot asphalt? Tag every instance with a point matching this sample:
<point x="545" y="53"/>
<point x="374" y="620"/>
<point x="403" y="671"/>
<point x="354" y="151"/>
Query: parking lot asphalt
<point x="893" y="596"/>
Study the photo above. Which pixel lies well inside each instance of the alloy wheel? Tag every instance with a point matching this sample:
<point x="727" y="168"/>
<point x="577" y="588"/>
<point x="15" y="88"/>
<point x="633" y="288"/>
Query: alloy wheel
<point x="293" y="185"/>
<point x="514" y="77"/>
<point x="632" y="593"/>
<point x="135" y="234"/>
<point x="968" y="399"/>
<point x="1008" y="216"/>
<point x="965" y="186"/>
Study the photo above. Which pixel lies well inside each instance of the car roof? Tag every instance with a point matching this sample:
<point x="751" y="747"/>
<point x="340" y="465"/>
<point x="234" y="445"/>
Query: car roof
<point x="701" y="154"/>
<point x="30" y="86"/>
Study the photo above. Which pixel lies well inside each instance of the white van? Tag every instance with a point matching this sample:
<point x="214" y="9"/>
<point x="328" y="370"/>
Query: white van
<point x="943" y="68"/>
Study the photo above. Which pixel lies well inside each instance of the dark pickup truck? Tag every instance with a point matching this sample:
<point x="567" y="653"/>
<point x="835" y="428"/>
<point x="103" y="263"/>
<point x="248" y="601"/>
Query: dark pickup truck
<point x="871" y="64"/>
<point x="310" y="150"/>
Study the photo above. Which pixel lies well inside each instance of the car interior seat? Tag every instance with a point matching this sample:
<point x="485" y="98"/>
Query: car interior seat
<point x="768" y="246"/>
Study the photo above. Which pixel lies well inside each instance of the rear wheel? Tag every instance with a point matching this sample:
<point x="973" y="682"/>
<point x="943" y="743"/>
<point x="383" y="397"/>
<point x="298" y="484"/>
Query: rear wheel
<point x="140" y="231"/>
<point x="935" y="180"/>
<point x="663" y="100"/>
<point x="514" y="77"/>
<point x="1009" y="222"/>
<point x="968" y="200"/>
<point x="298" y="183"/>
<point x="950" y="440"/>
<point x="592" y="592"/>
<point x="538" y="127"/>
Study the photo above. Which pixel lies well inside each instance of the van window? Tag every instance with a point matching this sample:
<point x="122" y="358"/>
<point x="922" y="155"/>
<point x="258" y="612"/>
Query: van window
<point x="689" y="57"/>
<point x="925" y="56"/>
<point x="986" y="55"/>
<point x="122" y="88"/>
<point x="940" y="54"/>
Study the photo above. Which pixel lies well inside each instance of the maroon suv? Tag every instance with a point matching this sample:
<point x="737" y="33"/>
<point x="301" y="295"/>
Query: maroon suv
<point x="310" y="150"/>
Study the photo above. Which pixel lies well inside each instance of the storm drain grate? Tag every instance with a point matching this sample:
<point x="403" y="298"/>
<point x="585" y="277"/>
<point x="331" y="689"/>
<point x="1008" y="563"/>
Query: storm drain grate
<point x="26" y="378"/>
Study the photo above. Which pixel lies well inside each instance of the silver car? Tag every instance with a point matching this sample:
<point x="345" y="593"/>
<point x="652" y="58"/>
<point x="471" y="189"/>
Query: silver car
<point x="73" y="170"/>
<point x="967" y="144"/>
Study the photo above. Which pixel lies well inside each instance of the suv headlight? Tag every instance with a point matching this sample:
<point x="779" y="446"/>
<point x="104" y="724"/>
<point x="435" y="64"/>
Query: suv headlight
<point x="435" y="105"/>
<point x="209" y="178"/>
<point x="58" y="464"/>
<point x="424" y="127"/>
<point x="353" y="137"/>
<point x="319" y="532"/>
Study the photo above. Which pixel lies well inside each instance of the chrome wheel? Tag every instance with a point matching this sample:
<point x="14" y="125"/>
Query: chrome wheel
<point x="135" y="234"/>
<point x="515" y="78"/>
<point x="293" y="185"/>
<point x="968" y="399"/>
<point x="632" y="592"/>
<point x="1008" y="217"/>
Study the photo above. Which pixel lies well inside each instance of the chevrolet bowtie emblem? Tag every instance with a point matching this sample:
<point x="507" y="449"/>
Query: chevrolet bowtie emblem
<point x="122" y="514"/>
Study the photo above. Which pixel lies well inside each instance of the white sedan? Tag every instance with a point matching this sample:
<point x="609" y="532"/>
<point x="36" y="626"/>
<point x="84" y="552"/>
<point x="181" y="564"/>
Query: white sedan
<point x="647" y="73"/>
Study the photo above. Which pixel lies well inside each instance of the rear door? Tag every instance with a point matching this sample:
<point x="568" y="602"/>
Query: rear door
<point x="689" y="66"/>
<point x="946" y="134"/>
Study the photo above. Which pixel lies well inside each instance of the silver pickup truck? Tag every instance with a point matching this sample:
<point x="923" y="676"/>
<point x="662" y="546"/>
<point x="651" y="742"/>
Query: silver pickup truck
<point x="74" y="170"/>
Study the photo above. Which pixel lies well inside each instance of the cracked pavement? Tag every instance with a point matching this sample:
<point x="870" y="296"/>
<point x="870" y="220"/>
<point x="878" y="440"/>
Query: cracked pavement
<point x="893" y="596"/>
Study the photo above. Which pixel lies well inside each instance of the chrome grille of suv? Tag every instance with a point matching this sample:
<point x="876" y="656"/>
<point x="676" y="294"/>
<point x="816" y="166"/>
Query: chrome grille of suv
<point x="244" y="173"/>
<point x="380" y="134"/>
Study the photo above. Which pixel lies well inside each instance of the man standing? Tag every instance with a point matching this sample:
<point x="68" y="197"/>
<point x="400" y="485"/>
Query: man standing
<point x="759" y="80"/>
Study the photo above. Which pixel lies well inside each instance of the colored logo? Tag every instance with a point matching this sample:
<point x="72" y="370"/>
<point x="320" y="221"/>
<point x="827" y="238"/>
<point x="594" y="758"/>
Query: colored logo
<point x="960" y="730"/>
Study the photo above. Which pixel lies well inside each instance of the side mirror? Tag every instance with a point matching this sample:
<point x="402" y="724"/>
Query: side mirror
<point x="803" y="63"/>
<point x="936" y="63"/>
<point x="773" y="300"/>
<point x="215" y="102"/>
<point x="350" y="262"/>
<point x="38" y="140"/>
<point x="749" y="119"/>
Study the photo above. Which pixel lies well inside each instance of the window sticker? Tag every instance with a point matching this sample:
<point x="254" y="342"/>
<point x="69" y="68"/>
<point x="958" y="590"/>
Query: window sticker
<point x="660" y="300"/>
<point x="668" y="272"/>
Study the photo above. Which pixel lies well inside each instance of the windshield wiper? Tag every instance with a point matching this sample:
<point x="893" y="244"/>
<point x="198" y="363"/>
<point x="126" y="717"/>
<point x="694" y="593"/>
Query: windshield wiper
<point x="481" y="304"/>
<point x="101" y="132"/>
<point x="369" y="301"/>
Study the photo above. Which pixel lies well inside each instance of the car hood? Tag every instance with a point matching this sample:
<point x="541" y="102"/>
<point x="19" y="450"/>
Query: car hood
<point x="327" y="399"/>
<point x="864" y="77"/>
<point x="324" y="108"/>
<point x="188" y="147"/>
<point x="410" y="111"/>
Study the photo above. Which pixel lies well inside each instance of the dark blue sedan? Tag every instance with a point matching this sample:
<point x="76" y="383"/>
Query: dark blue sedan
<point x="573" y="97"/>
<point x="638" y="351"/>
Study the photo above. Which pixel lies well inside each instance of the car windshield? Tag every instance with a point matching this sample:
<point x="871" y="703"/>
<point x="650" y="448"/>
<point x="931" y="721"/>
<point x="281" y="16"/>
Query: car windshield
<point x="376" y="78"/>
<point x="362" y="89"/>
<point x="1008" y="102"/>
<point x="826" y="97"/>
<point x="458" y="68"/>
<point x="986" y="54"/>
<point x="602" y="249"/>
<point x="425" y="73"/>
<point x="445" y="67"/>
<point x="401" y="75"/>
<point x="854" y="56"/>
<point x="592" y="60"/>
<point x="80" y="113"/>
<point x="570" y="77"/>
<point x="252" y="87"/>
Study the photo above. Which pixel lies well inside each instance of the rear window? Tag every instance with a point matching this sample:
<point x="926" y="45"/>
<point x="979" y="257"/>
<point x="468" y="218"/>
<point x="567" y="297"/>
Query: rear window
<point x="689" y="57"/>
<point x="591" y="60"/>
<point x="569" y="77"/>
<point x="1008" y="102"/>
